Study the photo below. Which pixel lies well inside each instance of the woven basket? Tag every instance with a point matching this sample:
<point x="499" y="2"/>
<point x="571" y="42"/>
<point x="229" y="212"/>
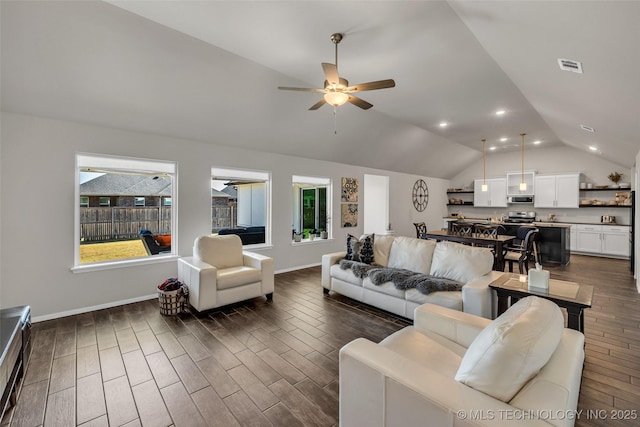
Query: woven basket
<point x="171" y="302"/>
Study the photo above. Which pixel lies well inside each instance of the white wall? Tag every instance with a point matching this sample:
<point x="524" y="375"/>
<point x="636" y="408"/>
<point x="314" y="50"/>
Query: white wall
<point x="37" y="225"/>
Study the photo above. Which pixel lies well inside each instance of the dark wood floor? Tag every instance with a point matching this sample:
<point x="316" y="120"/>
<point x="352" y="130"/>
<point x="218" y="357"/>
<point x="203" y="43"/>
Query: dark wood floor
<point x="275" y="363"/>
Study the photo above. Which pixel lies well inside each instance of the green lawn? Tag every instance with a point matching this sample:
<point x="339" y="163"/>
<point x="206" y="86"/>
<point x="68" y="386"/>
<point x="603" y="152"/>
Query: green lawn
<point x="97" y="252"/>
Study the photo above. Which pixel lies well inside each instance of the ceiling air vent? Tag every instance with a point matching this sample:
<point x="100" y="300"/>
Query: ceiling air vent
<point x="587" y="128"/>
<point x="570" y="65"/>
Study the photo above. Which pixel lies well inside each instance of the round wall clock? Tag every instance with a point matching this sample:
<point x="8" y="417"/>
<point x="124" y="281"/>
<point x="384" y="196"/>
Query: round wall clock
<point x="420" y="195"/>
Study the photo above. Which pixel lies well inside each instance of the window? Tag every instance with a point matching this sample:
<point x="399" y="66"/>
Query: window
<point x="311" y="206"/>
<point x="166" y="201"/>
<point x="241" y="204"/>
<point x="112" y="217"/>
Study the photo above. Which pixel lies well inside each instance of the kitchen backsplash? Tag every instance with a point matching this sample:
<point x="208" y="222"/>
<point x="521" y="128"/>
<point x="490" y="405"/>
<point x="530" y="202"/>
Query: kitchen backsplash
<point x="579" y="215"/>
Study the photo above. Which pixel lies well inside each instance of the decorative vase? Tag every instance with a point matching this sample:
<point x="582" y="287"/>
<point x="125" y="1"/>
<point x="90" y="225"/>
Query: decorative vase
<point x="297" y="237"/>
<point x="324" y="235"/>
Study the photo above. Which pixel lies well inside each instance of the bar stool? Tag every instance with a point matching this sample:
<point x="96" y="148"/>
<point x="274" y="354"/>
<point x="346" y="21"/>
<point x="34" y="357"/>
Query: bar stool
<point x="528" y="250"/>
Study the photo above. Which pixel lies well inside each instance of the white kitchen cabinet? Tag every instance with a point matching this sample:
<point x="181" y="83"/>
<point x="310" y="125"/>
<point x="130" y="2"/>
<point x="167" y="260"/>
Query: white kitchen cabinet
<point x="513" y="183"/>
<point x="495" y="196"/>
<point x="615" y="240"/>
<point x="557" y="191"/>
<point x="610" y="240"/>
<point x="573" y="239"/>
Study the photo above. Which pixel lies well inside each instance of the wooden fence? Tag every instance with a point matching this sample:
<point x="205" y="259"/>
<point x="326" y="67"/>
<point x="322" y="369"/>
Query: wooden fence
<point x="223" y="217"/>
<point x="122" y="223"/>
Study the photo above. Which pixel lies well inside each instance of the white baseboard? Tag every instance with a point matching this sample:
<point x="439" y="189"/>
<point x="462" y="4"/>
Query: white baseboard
<point x="300" y="267"/>
<point x="92" y="308"/>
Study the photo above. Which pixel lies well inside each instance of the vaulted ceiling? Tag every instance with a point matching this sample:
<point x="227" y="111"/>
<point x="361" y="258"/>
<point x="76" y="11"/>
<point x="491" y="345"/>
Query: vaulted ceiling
<point x="209" y="71"/>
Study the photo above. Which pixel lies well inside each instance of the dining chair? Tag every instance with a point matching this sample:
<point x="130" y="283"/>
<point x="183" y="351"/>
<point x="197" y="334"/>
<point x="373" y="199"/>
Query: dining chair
<point x="487" y="230"/>
<point x="525" y="252"/>
<point x="421" y="228"/>
<point x="462" y="228"/>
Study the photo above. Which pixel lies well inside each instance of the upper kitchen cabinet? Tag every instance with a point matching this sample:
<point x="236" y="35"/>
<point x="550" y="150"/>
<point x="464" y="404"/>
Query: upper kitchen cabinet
<point x="513" y="183"/>
<point x="496" y="196"/>
<point x="557" y="191"/>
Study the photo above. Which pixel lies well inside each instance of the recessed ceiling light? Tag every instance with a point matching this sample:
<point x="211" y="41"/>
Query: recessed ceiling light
<point x="443" y="124"/>
<point x="500" y="112"/>
<point x="592" y="148"/>
<point x="504" y="139"/>
<point x="492" y="148"/>
<point x="587" y="128"/>
<point x="536" y="142"/>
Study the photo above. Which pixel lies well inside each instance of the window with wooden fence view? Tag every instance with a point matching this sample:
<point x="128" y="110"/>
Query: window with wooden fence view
<point x="124" y="214"/>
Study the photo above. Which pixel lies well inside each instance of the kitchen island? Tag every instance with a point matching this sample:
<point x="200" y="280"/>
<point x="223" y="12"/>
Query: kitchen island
<point x="554" y="241"/>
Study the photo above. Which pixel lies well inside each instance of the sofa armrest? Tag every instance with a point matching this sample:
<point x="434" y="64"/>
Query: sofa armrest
<point x="201" y="279"/>
<point x="379" y="387"/>
<point x="457" y="326"/>
<point x="264" y="264"/>
<point x="557" y="385"/>
<point x="327" y="261"/>
<point x="478" y="298"/>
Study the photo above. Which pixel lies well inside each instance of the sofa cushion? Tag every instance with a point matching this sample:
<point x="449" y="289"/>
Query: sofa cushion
<point x="460" y="262"/>
<point x="360" y="249"/>
<point x="447" y="299"/>
<point x="345" y="275"/>
<point x="411" y="254"/>
<point x="381" y="249"/>
<point x="424" y="350"/>
<point x="219" y="251"/>
<point x="513" y="348"/>
<point x="386" y="288"/>
<point x="236" y="276"/>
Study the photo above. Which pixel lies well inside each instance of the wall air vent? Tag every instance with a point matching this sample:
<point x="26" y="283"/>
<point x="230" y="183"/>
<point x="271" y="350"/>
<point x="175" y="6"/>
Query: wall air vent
<point x="570" y="65"/>
<point x="587" y="128"/>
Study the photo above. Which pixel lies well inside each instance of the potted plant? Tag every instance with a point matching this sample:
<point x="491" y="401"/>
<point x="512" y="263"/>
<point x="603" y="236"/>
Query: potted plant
<point x="615" y="178"/>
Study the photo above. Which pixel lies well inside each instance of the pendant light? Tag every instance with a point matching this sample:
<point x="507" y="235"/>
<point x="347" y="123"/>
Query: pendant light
<point x="523" y="185"/>
<point x="485" y="187"/>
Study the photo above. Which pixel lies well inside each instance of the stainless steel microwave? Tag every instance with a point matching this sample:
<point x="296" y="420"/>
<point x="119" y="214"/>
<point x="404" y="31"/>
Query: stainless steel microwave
<point x="520" y="199"/>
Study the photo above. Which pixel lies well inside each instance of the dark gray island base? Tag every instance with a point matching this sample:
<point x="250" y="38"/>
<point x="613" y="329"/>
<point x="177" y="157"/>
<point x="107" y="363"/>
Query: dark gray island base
<point x="554" y="240"/>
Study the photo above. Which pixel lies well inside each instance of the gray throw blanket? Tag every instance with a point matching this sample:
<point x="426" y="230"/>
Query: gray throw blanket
<point x="402" y="279"/>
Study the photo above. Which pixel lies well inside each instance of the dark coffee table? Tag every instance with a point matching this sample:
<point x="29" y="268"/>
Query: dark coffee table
<point x="570" y="295"/>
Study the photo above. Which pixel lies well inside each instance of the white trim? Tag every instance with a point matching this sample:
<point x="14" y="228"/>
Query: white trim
<point x="91" y="308"/>
<point x="98" y="266"/>
<point x="304" y="242"/>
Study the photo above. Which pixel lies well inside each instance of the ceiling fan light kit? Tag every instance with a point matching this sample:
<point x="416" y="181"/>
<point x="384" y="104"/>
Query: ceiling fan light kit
<point x="336" y="89"/>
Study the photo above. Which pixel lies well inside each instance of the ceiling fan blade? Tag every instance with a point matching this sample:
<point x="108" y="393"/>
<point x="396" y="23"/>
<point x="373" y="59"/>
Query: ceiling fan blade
<point x="331" y="73"/>
<point x="318" y="104"/>
<point x="380" y="84"/>
<point x="359" y="102"/>
<point x="302" y="89"/>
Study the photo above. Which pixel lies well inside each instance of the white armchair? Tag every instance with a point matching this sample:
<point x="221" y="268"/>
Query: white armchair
<point x="221" y="273"/>
<point x="408" y="379"/>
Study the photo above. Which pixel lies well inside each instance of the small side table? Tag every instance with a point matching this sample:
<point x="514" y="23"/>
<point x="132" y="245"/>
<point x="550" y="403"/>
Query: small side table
<point x="569" y="295"/>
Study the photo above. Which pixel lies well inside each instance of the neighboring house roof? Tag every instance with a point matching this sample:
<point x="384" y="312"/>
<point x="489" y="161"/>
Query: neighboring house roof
<point x="216" y="193"/>
<point x="127" y="185"/>
<point x="231" y="191"/>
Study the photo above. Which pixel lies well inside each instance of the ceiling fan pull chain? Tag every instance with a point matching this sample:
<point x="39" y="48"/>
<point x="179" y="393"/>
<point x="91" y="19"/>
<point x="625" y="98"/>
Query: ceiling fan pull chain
<point x="335" y="120"/>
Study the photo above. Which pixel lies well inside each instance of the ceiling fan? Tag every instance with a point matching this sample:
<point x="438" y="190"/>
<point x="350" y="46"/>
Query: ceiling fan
<point x="337" y="90"/>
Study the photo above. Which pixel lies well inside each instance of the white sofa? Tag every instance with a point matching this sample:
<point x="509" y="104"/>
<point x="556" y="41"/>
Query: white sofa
<point x="409" y="379"/>
<point x="470" y="265"/>
<point x="221" y="273"/>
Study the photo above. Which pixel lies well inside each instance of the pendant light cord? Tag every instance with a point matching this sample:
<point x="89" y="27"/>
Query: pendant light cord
<point x="522" y="135"/>
<point x="484" y="160"/>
